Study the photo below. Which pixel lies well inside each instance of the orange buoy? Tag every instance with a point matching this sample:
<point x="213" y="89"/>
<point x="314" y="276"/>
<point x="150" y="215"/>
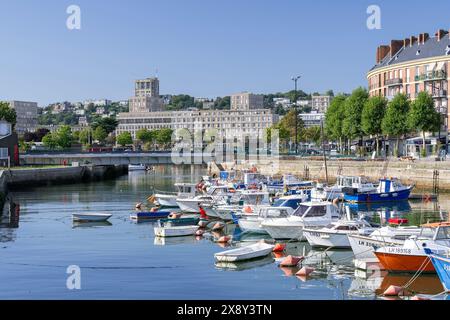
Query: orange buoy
<point x="218" y="226"/>
<point x="291" y="261"/>
<point x="393" y="291"/>
<point x="248" y="209"/>
<point x="304" y="272"/>
<point x="223" y="239"/>
<point x="199" y="232"/>
<point x="279" y="247"/>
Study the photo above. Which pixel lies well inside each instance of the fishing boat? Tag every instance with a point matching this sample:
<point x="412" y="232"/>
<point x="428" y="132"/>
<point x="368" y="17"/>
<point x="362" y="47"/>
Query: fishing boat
<point x="215" y="195"/>
<point x="91" y="217"/>
<point x="252" y="223"/>
<point x="253" y="251"/>
<point x="442" y="266"/>
<point x="308" y="214"/>
<point x="180" y="221"/>
<point x="137" y="167"/>
<point x="184" y="190"/>
<point x="411" y="256"/>
<point x="387" y="190"/>
<point x="167" y="230"/>
<point x="324" y="192"/>
<point x="288" y="181"/>
<point x="148" y="215"/>
<point x="363" y="246"/>
<point x="335" y="234"/>
<point x="247" y="199"/>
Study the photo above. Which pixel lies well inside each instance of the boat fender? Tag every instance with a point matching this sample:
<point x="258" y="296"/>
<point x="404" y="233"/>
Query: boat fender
<point x="305" y="271"/>
<point x="335" y="202"/>
<point x="291" y="261"/>
<point x="248" y="209"/>
<point x="223" y="239"/>
<point x="419" y="298"/>
<point x="199" y="232"/>
<point x="138" y="205"/>
<point x="279" y="247"/>
<point x="393" y="291"/>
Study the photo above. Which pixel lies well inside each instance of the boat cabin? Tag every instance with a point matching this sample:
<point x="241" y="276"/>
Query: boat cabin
<point x="274" y="212"/>
<point x="292" y="201"/>
<point x="390" y="185"/>
<point x="185" y="188"/>
<point x="317" y="209"/>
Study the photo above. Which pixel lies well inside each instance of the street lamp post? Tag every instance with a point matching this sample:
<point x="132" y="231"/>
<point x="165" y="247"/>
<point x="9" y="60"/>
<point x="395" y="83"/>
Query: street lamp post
<point x="295" y="79"/>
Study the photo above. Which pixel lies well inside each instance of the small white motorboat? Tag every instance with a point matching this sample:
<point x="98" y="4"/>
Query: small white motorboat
<point x="257" y="250"/>
<point x="175" y="231"/>
<point x="91" y="217"/>
<point x="137" y="167"/>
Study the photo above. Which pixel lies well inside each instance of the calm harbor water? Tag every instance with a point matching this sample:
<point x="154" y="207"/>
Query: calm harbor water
<point x="123" y="260"/>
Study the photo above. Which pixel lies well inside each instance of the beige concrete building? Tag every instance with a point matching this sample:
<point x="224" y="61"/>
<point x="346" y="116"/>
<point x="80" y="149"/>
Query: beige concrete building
<point x="320" y="103"/>
<point x="147" y="87"/>
<point x="246" y="101"/>
<point x="146" y="96"/>
<point x="27" y="115"/>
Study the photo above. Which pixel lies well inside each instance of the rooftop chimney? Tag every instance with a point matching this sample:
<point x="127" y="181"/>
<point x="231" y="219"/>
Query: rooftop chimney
<point x="395" y="46"/>
<point x="440" y="34"/>
<point x="412" y="40"/>
<point x="423" y="37"/>
<point x="406" y="42"/>
<point x="382" y="52"/>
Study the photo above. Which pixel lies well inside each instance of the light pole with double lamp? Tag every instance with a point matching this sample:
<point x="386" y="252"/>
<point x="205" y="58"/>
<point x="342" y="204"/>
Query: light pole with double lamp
<point x="295" y="79"/>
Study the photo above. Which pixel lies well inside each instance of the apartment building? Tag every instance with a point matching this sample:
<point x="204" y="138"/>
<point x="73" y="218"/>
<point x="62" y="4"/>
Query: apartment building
<point x="27" y="115"/>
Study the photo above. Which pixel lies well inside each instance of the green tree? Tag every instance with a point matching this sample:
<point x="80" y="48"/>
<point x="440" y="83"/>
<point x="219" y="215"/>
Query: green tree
<point x="144" y="135"/>
<point x="50" y="141"/>
<point x="85" y="136"/>
<point x="63" y="137"/>
<point x="164" y="136"/>
<point x="109" y="124"/>
<point x="7" y="113"/>
<point x="100" y="134"/>
<point x="354" y="106"/>
<point x="423" y="116"/>
<point x="395" y="121"/>
<point x="124" y="139"/>
<point x="372" y="117"/>
<point x="312" y="134"/>
<point x="334" y="119"/>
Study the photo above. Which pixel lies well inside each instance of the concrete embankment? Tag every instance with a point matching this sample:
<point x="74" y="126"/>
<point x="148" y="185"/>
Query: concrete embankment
<point x="32" y="177"/>
<point x="420" y="172"/>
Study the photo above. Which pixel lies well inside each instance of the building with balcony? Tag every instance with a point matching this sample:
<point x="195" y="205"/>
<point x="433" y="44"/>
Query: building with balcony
<point x="413" y="65"/>
<point x="312" y="119"/>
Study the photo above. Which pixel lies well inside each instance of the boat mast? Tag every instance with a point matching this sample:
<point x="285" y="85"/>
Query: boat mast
<point x="323" y="150"/>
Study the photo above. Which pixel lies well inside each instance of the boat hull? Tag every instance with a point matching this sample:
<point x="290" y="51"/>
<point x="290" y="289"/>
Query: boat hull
<point x="188" y="206"/>
<point x="284" y="232"/>
<point x="400" y="262"/>
<point x="90" y="218"/>
<point x="442" y="267"/>
<point x="251" y="226"/>
<point x="378" y="197"/>
<point x="240" y="254"/>
<point x="326" y="239"/>
<point x="364" y="247"/>
<point x="179" y="231"/>
<point x="166" y="200"/>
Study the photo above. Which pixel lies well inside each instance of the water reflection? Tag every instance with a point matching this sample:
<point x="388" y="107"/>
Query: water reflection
<point x="9" y="221"/>
<point x="79" y="224"/>
<point x="167" y="241"/>
<point x="244" y="265"/>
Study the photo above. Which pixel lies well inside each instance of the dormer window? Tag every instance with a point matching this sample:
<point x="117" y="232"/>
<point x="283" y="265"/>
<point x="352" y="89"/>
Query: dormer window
<point x="447" y="50"/>
<point x="418" y="53"/>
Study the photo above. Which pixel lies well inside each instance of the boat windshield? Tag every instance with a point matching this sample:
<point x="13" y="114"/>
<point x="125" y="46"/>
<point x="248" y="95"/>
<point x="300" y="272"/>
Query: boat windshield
<point x="301" y="210"/>
<point x="443" y="233"/>
<point x="316" y="211"/>
<point x="293" y="203"/>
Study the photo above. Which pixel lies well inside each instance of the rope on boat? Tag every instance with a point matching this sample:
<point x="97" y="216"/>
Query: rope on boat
<point x="418" y="273"/>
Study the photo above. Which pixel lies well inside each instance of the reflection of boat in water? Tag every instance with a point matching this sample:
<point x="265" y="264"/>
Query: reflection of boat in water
<point x="425" y="284"/>
<point x="244" y="265"/>
<point x="398" y="206"/>
<point x="338" y="257"/>
<point x="250" y="237"/>
<point x="167" y="241"/>
<point x="78" y="224"/>
<point x="364" y="284"/>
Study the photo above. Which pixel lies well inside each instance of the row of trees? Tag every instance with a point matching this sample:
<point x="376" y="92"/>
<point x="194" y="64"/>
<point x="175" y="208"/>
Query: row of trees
<point x="358" y="115"/>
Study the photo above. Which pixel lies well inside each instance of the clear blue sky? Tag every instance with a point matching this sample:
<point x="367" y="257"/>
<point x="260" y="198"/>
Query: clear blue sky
<point x="203" y="48"/>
